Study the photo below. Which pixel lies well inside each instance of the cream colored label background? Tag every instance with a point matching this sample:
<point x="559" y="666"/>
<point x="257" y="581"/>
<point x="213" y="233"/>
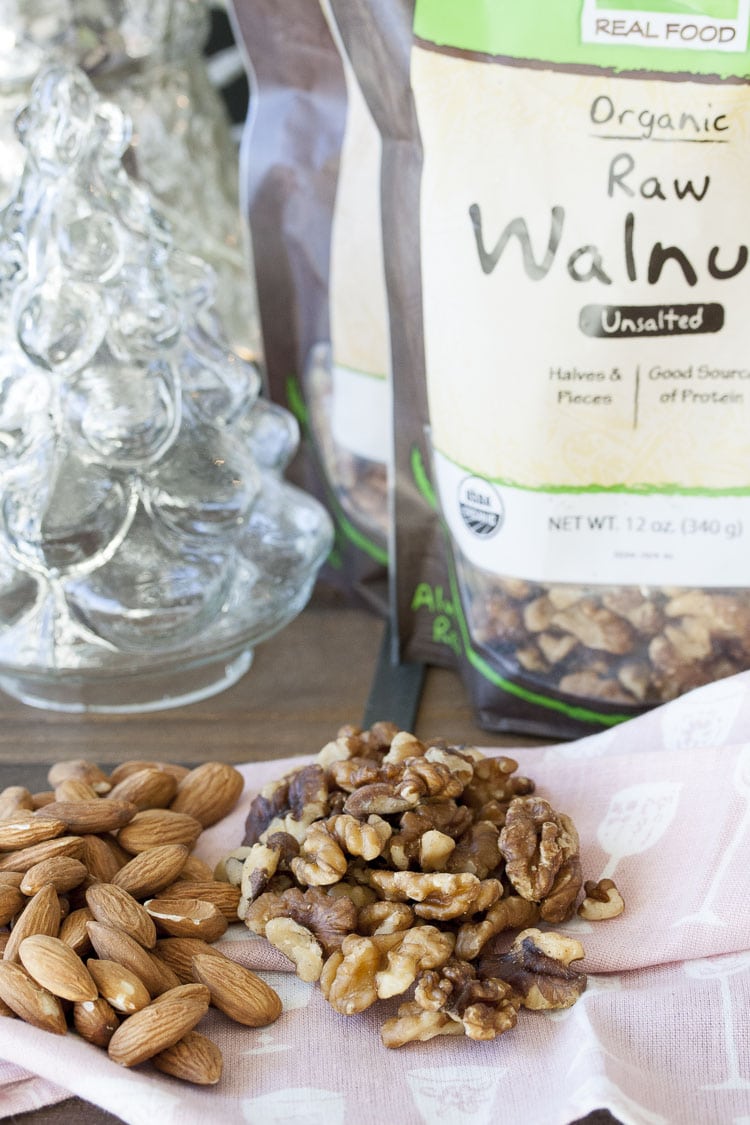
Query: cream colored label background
<point x="359" y="316"/>
<point x="517" y="142"/>
<point x="360" y="405"/>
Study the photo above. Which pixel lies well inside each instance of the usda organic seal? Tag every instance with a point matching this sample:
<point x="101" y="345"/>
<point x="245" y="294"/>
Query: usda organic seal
<point x="480" y="506"/>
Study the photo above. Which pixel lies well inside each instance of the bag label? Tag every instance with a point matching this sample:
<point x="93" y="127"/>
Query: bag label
<point x="588" y="361"/>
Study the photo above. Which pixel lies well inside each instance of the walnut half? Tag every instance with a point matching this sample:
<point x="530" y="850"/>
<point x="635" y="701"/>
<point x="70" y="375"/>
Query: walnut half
<point x="538" y="967"/>
<point x="541" y="852"/>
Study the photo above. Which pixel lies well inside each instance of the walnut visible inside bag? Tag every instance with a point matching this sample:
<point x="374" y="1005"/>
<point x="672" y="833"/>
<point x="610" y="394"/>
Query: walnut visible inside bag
<point x="630" y="646"/>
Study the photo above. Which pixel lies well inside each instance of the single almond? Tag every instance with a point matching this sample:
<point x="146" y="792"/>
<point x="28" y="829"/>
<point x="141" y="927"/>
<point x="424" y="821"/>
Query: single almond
<point x="44" y="797"/>
<point x="194" y="1058"/>
<point x="124" y="769"/>
<point x="100" y="859"/>
<point x="90" y="816"/>
<point x="148" y="788"/>
<point x="23" y="828"/>
<point x="12" y="902"/>
<point x="74" y="933"/>
<point x="25" y="858"/>
<point x="55" y="966"/>
<point x="41" y="915"/>
<point x="237" y="992"/>
<point x="187" y="917"/>
<point x="177" y="771"/>
<point x="196" y="870"/>
<point x="82" y="769"/>
<point x="155" y="827"/>
<point x="62" y="871"/>
<point x="209" y="792"/>
<point x="153" y="1029"/>
<point x="95" y="1021"/>
<point x="112" y="944"/>
<point x="178" y="954"/>
<point x="115" y="907"/>
<point x="14" y="797"/>
<point x="223" y="895"/>
<point x="151" y="870"/>
<point x="116" y="848"/>
<point x="75" y="789"/>
<point x="30" y="1000"/>
<point x="119" y="986"/>
<point x="76" y="898"/>
<point x="192" y="991"/>
<point x="164" y="977"/>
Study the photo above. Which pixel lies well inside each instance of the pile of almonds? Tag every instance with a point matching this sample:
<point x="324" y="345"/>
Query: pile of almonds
<point x="107" y="920"/>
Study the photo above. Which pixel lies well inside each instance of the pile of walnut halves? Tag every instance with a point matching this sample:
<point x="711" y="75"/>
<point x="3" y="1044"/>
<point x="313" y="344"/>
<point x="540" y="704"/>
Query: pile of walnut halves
<point x="392" y="863"/>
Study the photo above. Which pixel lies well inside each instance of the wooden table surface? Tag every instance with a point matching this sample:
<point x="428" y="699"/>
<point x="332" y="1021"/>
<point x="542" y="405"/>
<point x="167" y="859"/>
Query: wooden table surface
<point x="303" y="685"/>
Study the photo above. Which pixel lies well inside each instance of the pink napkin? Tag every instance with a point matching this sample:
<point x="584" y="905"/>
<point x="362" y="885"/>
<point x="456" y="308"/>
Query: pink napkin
<point x="661" y="1033"/>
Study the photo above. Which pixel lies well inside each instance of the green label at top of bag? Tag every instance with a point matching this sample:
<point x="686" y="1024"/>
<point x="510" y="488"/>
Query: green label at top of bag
<point x="673" y="36"/>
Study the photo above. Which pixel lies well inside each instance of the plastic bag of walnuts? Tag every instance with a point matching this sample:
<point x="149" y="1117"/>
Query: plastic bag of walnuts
<point x="310" y="180"/>
<point x="569" y="343"/>
<point x="393" y="867"/>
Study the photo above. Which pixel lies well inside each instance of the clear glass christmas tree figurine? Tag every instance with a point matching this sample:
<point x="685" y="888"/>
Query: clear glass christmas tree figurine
<point x="148" y="539"/>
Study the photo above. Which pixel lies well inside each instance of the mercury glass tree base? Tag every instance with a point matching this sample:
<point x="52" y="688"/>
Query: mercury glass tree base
<point x="152" y="690"/>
